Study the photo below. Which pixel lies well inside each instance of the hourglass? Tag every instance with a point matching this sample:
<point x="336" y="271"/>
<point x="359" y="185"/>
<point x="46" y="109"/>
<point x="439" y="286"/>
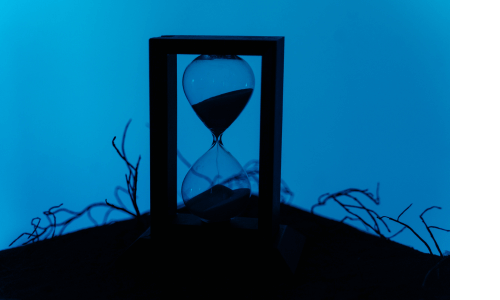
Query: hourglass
<point x="218" y="87"/>
<point x="217" y="84"/>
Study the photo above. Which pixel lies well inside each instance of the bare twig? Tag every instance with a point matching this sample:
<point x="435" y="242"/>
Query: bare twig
<point x="347" y="193"/>
<point x="285" y="190"/>
<point x="430" y="251"/>
<point x="106" y="215"/>
<point x="184" y="160"/>
<point x="334" y="198"/>
<point x="439" y="228"/>
<point x="429" y="230"/>
<point x="427" y="227"/>
<point x="371" y="211"/>
<point x="348" y="218"/>
<point x="49" y="212"/>
<point x="119" y="208"/>
<point x="35" y="235"/>
<point x="30" y="234"/>
<point x="131" y="179"/>
<point x="36" y="227"/>
<point x="119" y="188"/>
<point x="75" y="215"/>
<point x="404" y="211"/>
<point x="367" y="210"/>
<point x="396" y="233"/>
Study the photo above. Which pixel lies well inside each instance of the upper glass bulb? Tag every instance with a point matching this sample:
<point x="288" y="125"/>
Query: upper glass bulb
<point x="226" y="81"/>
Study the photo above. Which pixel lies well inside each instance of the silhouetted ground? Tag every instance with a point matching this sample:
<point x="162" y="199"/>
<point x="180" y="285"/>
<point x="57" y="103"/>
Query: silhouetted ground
<point x="337" y="262"/>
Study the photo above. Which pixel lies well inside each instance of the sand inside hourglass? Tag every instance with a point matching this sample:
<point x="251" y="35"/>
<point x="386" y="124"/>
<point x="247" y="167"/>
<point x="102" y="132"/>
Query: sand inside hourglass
<point x="219" y="112"/>
<point x="218" y="202"/>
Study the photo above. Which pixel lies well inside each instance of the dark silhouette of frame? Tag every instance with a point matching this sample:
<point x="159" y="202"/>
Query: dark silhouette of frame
<point x="163" y="53"/>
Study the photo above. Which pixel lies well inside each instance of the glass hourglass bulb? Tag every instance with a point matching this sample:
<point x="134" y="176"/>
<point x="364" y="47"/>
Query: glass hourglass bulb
<point x="218" y="87"/>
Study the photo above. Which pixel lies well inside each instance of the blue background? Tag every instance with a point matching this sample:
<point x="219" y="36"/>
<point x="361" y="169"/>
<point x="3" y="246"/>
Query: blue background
<point x="366" y="100"/>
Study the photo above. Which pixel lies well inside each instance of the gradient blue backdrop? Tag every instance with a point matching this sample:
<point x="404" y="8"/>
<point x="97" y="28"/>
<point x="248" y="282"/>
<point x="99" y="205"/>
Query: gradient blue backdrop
<point x="366" y="100"/>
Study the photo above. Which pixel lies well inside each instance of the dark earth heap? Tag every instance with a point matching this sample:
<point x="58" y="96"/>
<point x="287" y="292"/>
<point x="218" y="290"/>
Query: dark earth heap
<point x="337" y="262"/>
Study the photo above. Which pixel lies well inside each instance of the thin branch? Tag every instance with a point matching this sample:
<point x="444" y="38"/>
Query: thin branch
<point x="430" y="251"/>
<point x="396" y="233"/>
<point x="429" y="230"/>
<point x="123" y="157"/>
<point x="439" y="228"/>
<point x="364" y="192"/>
<point x="367" y="210"/>
<point x="29" y="234"/>
<point x="107" y="214"/>
<point x="131" y="179"/>
<point x="323" y="199"/>
<point x="184" y="161"/>
<point x="119" y="208"/>
<point x="348" y="218"/>
<point x="371" y="211"/>
<point x="76" y="215"/>
<point x="286" y="190"/>
<point x="49" y="212"/>
<point x="404" y="211"/>
<point x="333" y="197"/>
<point x="36" y="227"/>
<point x="320" y="202"/>
<point x="119" y="188"/>
<point x="135" y="188"/>
<point x="91" y="219"/>
<point x="123" y="139"/>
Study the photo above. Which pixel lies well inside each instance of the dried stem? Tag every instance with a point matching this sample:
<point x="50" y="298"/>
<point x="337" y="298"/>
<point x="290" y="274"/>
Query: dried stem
<point x="119" y="188"/>
<point x="334" y="198"/>
<point x="396" y="233"/>
<point x="371" y="211"/>
<point x="119" y="208"/>
<point x="404" y="211"/>
<point x="430" y="251"/>
<point x="30" y="234"/>
<point x="429" y="228"/>
<point x="75" y="215"/>
<point x="131" y="179"/>
<point x="347" y="193"/>
<point x="439" y="228"/>
<point x="367" y="210"/>
<point x="184" y="160"/>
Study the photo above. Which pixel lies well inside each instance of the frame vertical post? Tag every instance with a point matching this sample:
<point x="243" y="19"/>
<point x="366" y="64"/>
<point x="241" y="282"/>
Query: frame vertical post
<point x="163" y="135"/>
<point x="271" y="118"/>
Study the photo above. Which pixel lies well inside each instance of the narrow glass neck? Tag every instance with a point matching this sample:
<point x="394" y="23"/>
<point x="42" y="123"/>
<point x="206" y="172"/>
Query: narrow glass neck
<point x="217" y="139"/>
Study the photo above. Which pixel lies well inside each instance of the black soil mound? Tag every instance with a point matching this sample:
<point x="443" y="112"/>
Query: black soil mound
<point x="337" y="262"/>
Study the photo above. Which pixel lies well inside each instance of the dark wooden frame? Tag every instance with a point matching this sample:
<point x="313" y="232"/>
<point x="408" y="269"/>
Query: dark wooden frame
<point x="163" y="122"/>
